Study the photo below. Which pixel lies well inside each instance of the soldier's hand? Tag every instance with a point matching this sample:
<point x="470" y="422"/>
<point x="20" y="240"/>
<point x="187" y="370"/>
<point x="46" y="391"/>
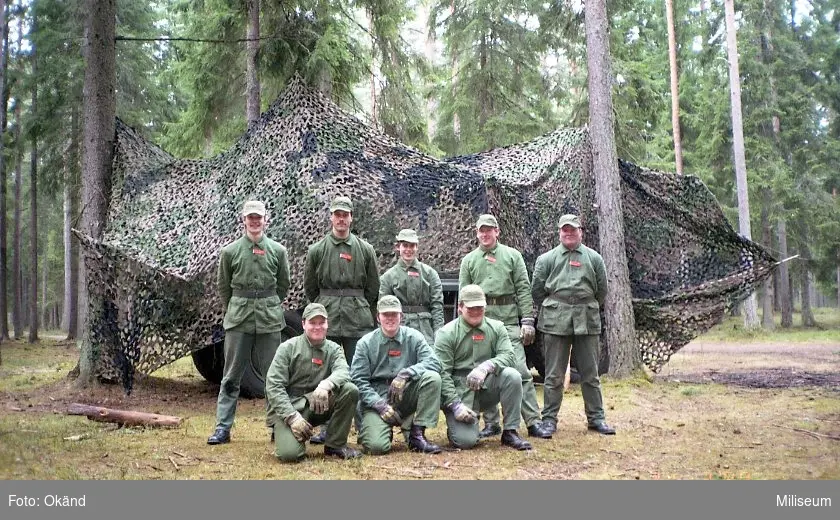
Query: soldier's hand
<point x="398" y="384"/>
<point x="527" y="332"/>
<point x="321" y="397"/>
<point x="478" y="374"/>
<point x="463" y="413"/>
<point x="301" y="429"/>
<point x="387" y="413"/>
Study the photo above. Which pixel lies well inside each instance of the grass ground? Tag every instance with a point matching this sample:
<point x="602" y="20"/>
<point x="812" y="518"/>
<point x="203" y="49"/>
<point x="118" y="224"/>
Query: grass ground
<point x="705" y="416"/>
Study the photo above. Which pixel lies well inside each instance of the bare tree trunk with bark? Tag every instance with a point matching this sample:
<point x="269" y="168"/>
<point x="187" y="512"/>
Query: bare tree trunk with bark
<point x="805" y="282"/>
<point x="750" y="305"/>
<point x="4" y="105"/>
<point x="675" y="88"/>
<point x="99" y="105"/>
<point x="33" y="203"/>
<point x="17" y="273"/>
<point x="620" y="333"/>
<point x="252" y="76"/>
<point x="785" y="299"/>
<point x="767" y="238"/>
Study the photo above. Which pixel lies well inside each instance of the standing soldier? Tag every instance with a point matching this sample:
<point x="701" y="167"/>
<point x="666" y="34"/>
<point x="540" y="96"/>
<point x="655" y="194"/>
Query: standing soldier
<point x="397" y="374"/>
<point x="307" y="383"/>
<point x="476" y="359"/>
<point x="570" y="284"/>
<point x="500" y="272"/>
<point x="253" y="279"/>
<point x="341" y="274"/>
<point x="417" y="286"/>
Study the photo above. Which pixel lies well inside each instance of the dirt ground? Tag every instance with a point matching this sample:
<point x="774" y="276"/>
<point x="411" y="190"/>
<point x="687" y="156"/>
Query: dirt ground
<point x="760" y="365"/>
<point x="715" y="411"/>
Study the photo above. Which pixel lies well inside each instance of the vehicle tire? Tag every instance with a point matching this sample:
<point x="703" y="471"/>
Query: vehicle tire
<point x="210" y="361"/>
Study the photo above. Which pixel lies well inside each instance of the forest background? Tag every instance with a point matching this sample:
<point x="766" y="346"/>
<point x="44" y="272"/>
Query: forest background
<point x="446" y="77"/>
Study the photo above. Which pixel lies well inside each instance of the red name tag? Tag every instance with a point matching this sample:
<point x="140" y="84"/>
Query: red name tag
<point x="478" y="337"/>
<point x="491" y="259"/>
<point x="395" y="353"/>
<point x="318" y="361"/>
<point x="259" y="252"/>
<point x="574" y="263"/>
<point x="345" y="256"/>
<point x="413" y="273"/>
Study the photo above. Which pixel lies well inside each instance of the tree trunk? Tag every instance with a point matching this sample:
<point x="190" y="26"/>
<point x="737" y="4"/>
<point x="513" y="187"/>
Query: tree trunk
<point x="767" y="239"/>
<point x="785" y="301"/>
<point x="99" y="105"/>
<point x="805" y="282"/>
<point x="620" y="334"/>
<point x="750" y="311"/>
<point x="838" y="286"/>
<point x="252" y="77"/>
<point x="71" y="250"/>
<point x="4" y="104"/>
<point x="33" y="202"/>
<point x="17" y="273"/>
<point x="675" y="88"/>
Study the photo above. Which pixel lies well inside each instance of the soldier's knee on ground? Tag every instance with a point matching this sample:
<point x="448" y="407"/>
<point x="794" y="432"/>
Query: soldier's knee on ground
<point x="463" y="440"/>
<point x="287" y="452"/>
<point x="377" y="448"/>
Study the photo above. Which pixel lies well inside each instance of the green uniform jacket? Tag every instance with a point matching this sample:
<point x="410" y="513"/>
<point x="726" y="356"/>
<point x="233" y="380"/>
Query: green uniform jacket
<point x="244" y="265"/>
<point x="296" y="370"/>
<point x="379" y="358"/>
<point x="569" y="288"/>
<point x="461" y="348"/>
<point x="499" y="272"/>
<point x="333" y="263"/>
<point x="416" y="285"/>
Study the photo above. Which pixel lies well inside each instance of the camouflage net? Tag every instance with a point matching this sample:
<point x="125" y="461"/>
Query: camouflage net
<point x="153" y="275"/>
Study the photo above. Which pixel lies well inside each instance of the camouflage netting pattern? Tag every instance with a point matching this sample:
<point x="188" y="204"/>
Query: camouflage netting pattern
<point x="153" y="274"/>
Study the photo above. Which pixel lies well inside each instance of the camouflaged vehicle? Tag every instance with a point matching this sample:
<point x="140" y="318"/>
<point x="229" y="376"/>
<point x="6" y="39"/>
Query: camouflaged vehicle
<point x="153" y="274"/>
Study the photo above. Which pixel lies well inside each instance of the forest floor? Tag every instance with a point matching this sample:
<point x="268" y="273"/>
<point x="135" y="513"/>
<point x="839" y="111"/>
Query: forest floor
<point x="754" y="409"/>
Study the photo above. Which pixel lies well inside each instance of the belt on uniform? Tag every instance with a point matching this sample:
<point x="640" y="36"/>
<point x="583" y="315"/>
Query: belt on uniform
<point x="356" y="293"/>
<point x="254" y="293"/>
<point x="572" y="300"/>
<point x="415" y="308"/>
<point x="501" y="300"/>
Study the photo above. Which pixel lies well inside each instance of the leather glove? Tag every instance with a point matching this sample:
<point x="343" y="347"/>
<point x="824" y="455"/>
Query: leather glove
<point x="478" y="374"/>
<point x="398" y="384"/>
<point x="387" y="413"/>
<point x="301" y="429"/>
<point x="527" y="332"/>
<point x="463" y="413"/>
<point x="321" y="397"/>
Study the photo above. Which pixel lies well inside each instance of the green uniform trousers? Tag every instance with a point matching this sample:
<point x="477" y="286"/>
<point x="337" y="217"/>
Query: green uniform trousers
<point x="421" y="398"/>
<point x="530" y="406"/>
<point x="556" y="350"/>
<point x="348" y="344"/>
<point x="238" y="348"/>
<point x="340" y="415"/>
<point x="504" y="388"/>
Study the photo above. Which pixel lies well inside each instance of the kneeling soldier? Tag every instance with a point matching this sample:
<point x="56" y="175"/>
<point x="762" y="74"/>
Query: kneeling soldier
<point x="397" y="374"/>
<point x="478" y="372"/>
<point x="307" y="384"/>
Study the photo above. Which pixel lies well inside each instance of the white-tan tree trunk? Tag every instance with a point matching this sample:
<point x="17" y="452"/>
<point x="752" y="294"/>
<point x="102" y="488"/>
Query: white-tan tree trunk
<point x="750" y="305"/>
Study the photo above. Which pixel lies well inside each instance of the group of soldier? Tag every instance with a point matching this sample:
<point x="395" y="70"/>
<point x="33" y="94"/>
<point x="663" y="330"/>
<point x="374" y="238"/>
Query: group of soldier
<point x="403" y="372"/>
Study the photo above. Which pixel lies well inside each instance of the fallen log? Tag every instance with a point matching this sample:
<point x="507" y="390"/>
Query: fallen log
<point x="124" y="417"/>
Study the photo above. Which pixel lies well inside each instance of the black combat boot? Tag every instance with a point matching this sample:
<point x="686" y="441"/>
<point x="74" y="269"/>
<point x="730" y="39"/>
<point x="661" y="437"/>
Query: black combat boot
<point x="345" y="452"/>
<point x="511" y="438"/>
<point x="490" y="430"/>
<point x="537" y="430"/>
<point x="220" y="436"/>
<point x="417" y="441"/>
